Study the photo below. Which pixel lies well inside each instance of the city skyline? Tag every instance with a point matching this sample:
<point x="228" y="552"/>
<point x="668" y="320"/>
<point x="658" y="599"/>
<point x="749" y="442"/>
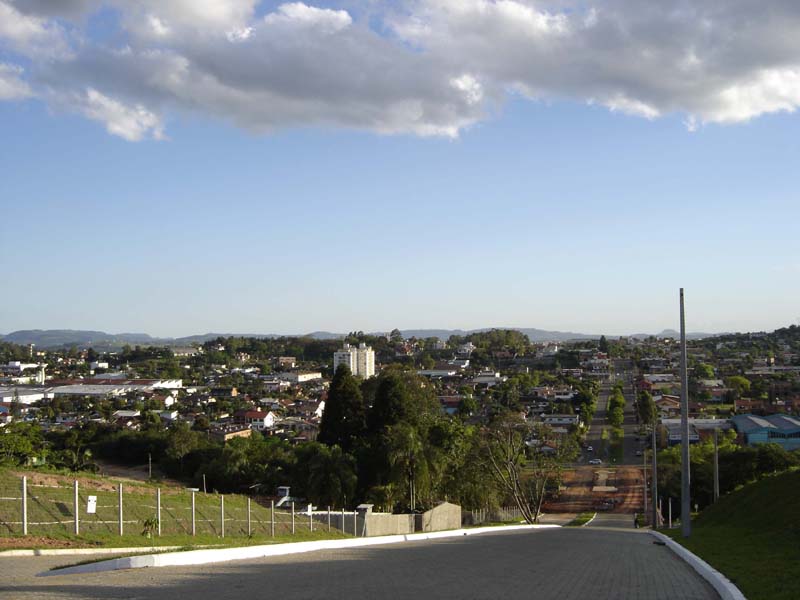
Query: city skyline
<point x="159" y="175"/>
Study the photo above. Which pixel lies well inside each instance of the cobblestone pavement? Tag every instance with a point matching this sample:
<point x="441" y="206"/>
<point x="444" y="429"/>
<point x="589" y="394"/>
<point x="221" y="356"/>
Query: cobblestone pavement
<point x="563" y="564"/>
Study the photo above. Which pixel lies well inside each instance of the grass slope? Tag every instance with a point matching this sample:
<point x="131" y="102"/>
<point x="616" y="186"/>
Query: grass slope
<point x="753" y="537"/>
<point x="51" y="515"/>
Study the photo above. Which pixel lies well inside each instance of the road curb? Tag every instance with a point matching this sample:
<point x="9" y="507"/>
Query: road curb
<point x="723" y="586"/>
<point x="85" y="551"/>
<point x="217" y="555"/>
<point x="590" y="520"/>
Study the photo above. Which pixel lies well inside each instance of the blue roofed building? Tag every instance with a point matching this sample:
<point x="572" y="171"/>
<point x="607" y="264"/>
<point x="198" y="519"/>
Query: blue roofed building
<point x="783" y="430"/>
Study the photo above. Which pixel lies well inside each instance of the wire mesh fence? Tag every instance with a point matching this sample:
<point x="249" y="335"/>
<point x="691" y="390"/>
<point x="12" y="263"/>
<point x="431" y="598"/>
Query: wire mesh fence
<point x="493" y="515"/>
<point x="59" y="509"/>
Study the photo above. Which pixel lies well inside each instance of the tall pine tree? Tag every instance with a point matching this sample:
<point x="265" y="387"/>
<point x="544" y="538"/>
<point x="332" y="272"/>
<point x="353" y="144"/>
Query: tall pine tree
<point x="344" y="418"/>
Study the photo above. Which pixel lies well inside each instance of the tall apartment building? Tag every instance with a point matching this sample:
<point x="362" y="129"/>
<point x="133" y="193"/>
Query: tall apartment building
<point x="361" y="360"/>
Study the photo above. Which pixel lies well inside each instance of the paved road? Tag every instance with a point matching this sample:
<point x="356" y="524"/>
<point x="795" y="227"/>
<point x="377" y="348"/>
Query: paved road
<point x="559" y="564"/>
<point x="612" y="520"/>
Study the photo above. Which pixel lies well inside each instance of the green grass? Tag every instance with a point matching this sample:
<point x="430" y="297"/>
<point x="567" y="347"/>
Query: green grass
<point x="753" y="537"/>
<point x="581" y="520"/>
<point x="617" y="444"/>
<point x="602" y="450"/>
<point x="51" y="515"/>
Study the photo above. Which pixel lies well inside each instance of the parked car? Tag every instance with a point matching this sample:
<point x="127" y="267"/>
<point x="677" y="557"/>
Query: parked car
<point x="595" y="461"/>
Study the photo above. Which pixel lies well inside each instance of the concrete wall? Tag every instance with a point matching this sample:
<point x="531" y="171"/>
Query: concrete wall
<point x="374" y="524"/>
<point x="440" y="518"/>
<point x="388" y="524"/>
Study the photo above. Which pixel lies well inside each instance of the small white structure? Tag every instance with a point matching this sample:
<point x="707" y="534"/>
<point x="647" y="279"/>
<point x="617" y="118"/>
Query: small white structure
<point x="298" y="377"/>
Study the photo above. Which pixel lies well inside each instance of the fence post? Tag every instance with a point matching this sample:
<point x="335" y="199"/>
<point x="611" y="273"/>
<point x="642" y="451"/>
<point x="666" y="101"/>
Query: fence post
<point x="343" y="528"/>
<point x="119" y="501"/>
<point x="158" y="510"/>
<point x="249" y="530"/>
<point x="669" y="507"/>
<point x="292" y="518"/>
<point x="272" y="517"/>
<point x="24" y="505"/>
<point x="329" y="519"/>
<point x="194" y="520"/>
<point x="76" y="507"/>
<point x="355" y="523"/>
<point x="222" y="514"/>
<point x="310" y="519"/>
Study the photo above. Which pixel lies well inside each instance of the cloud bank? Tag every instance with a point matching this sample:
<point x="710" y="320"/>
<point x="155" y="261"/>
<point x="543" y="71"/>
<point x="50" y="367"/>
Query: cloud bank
<point x="420" y="67"/>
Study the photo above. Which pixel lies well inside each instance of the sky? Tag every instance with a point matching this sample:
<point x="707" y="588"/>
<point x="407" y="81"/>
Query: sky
<point x="175" y="167"/>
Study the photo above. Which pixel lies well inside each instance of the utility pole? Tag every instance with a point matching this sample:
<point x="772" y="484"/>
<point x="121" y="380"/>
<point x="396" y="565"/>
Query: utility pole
<point x="686" y="506"/>
<point x="644" y="485"/>
<point x="654" y="493"/>
<point x="716" y="466"/>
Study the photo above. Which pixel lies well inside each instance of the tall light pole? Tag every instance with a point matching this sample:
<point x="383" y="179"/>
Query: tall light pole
<point x="686" y="507"/>
<point x="654" y="493"/>
<point x="716" y="466"/>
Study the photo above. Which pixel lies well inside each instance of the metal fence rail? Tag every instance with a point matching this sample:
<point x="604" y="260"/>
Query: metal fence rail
<point x="72" y="510"/>
<point x="493" y="515"/>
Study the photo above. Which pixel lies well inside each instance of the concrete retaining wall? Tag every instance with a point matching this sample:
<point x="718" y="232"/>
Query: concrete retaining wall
<point x="440" y="518"/>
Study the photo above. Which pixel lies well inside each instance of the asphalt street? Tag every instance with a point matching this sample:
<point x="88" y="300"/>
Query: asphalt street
<point x="562" y="564"/>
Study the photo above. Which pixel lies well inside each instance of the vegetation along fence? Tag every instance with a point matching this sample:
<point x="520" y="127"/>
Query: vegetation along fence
<point x="493" y="515"/>
<point x="59" y="509"/>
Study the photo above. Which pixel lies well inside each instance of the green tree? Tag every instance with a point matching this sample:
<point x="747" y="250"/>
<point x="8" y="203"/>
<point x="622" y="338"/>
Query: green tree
<point x="467" y="406"/>
<point x="738" y="384"/>
<point x="616" y="417"/>
<point x="523" y="472"/>
<point x="703" y="371"/>
<point x="20" y="442"/>
<point x="181" y="441"/>
<point x="406" y="452"/>
<point x="646" y="408"/>
<point x="603" y="345"/>
<point x="344" y="418"/>
<point x="328" y="474"/>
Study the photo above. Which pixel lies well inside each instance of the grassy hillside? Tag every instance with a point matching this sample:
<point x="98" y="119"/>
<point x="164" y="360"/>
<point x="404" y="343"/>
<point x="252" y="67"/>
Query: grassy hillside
<point x="753" y="537"/>
<point x="51" y="514"/>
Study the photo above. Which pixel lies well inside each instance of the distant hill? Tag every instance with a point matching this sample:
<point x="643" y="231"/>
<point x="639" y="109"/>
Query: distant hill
<point x="56" y="338"/>
<point x="671" y="333"/>
<point x="100" y="340"/>
<point x="535" y="335"/>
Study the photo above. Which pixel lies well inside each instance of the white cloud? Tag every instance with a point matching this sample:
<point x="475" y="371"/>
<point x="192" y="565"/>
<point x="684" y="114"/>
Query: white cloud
<point x="297" y="13"/>
<point x="133" y="123"/>
<point x="470" y="87"/>
<point x="12" y="87"/>
<point x="630" y="106"/>
<point x="766" y="91"/>
<point x="30" y="35"/>
<point x="425" y="67"/>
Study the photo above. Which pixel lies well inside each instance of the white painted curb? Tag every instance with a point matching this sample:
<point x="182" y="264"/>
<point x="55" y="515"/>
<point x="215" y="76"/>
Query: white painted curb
<point x="724" y="587"/>
<point x="594" y="516"/>
<point x="85" y="551"/>
<point x="202" y="557"/>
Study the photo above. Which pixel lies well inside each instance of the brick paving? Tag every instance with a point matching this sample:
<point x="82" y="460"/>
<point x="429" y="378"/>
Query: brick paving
<point x="563" y="564"/>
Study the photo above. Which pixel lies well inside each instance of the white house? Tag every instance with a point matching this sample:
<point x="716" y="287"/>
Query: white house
<point x="299" y="376"/>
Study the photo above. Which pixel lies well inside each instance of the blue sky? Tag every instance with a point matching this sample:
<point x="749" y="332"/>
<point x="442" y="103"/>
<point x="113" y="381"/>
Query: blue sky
<point x="547" y="212"/>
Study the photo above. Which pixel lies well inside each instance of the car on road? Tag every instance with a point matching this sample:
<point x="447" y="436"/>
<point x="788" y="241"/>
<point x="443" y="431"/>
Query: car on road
<point x="638" y="453"/>
<point x="595" y="461"/>
<point x="589" y="449"/>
